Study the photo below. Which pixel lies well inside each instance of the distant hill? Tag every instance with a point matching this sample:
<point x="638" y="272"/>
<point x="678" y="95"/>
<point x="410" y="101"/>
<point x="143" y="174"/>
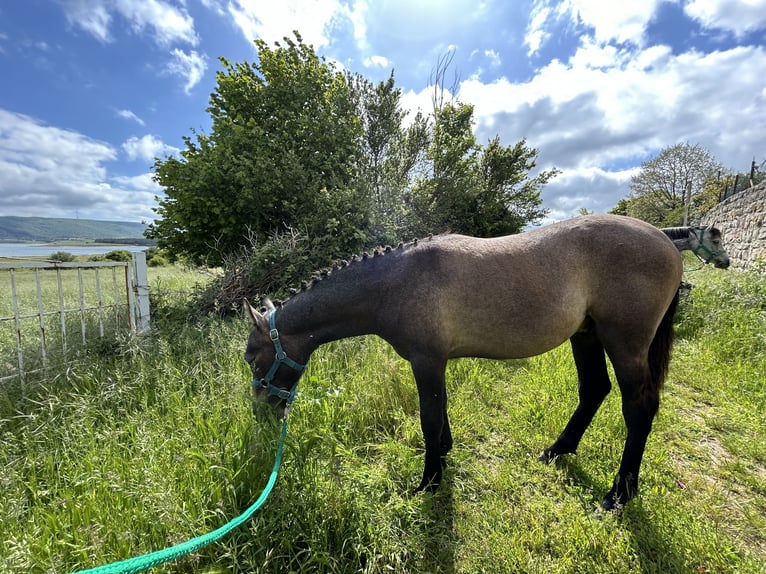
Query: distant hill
<point x="53" y="229"/>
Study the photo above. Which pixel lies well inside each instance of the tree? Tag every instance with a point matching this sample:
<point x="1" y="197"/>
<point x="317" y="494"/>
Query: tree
<point x="391" y="154"/>
<point x="282" y="152"/>
<point x="668" y="190"/>
<point x="483" y="191"/>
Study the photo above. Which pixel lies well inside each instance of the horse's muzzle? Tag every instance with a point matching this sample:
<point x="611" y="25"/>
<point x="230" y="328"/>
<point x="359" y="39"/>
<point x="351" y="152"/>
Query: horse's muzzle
<point x="722" y="263"/>
<point x="262" y="402"/>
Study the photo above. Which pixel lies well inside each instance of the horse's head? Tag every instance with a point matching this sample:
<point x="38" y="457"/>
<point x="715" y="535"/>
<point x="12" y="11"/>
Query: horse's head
<point x="275" y="375"/>
<point x="707" y="245"/>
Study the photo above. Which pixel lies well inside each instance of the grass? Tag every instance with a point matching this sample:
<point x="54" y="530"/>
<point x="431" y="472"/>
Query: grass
<point x="154" y="442"/>
<point x="90" y="313"/>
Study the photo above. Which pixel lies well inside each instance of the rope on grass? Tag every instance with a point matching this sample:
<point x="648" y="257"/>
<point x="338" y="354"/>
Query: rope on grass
<point x="146" y="561"/>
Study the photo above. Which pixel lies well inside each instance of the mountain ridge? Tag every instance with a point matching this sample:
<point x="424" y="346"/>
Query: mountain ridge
<point x="30" y="229"/>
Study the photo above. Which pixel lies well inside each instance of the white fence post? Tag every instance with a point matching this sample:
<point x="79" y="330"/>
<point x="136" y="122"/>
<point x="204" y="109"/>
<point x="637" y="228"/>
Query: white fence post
<point x="140" y="287"/>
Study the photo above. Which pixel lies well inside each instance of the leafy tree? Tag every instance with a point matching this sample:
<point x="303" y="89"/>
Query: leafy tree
<point x="669" y="189"/>
<point x="281" y="153"/>
<point x="484" y="191"/>
<point x="622" y="207"/>
<point x="391" y="153"/>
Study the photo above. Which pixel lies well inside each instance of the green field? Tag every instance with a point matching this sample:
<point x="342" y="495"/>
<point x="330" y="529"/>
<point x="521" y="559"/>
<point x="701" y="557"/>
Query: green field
<point x="148" y="442"/>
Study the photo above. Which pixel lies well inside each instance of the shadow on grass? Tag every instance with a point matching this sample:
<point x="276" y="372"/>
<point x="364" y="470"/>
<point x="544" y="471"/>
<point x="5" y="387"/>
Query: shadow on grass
<point x="439" y="535"/>
<point x="654" y="549"/>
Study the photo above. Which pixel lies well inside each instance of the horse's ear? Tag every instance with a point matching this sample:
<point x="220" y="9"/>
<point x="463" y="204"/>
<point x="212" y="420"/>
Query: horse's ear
<point x="251" y="313"/>
<point x="268" y="304"/>
<point x="709" y="227"/>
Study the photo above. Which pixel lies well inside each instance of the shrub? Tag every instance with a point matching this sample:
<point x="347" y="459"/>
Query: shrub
<point x="119" y="255"/>
<point x="156" y="260"/>
<point x="262" y="269"/>
<point x="63" y="256"/>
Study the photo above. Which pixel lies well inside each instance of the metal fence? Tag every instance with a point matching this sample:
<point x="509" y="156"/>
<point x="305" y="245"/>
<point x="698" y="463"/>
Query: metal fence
<point x="57" y="309"/>
<point x="742" y="181"/>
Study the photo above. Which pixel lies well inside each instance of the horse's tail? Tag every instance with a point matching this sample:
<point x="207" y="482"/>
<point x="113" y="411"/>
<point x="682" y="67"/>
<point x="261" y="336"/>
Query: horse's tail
<point x="659" y="350"/>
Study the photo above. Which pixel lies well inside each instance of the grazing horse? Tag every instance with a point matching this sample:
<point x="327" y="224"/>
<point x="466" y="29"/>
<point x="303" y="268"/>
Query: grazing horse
<point x="607" y="283"/>
<point x="700" y="240"/>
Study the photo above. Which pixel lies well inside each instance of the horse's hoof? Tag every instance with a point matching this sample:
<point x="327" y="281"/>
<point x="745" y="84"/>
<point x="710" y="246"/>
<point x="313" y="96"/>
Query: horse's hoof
<point x="547" y="456"/>
<point x="427" y="486"/>
<point x="614" y="503"/>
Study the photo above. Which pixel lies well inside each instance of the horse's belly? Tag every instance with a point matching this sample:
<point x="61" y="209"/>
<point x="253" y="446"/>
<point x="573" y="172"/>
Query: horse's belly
<point x="516" y="337"/>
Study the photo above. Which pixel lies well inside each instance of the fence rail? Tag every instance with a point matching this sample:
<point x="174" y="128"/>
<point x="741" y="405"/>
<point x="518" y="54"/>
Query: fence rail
<point x="48" y="304"/>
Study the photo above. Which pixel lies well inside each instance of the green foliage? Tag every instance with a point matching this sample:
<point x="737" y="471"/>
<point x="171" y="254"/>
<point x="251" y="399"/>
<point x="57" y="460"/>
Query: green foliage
<point x="622" y="207"/>
<point x="672" y="187"/>
<point x="482" y="191"/>
<point x="391" y="154"/>
<point x="297" y="145"/>
<point x="281" y="153"/>
<point x="119" y="255"/>
<point x="261" y="269"/>
<point x="156" y="257"/>
<point x="63" y="256"/>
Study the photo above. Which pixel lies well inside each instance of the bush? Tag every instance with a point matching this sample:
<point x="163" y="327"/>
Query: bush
<point x="156" y="257"/>
<point x="119" y="255"/>
<point x="156" y="261"/>
<point x="63" y="256"/>
<point x="260" y="270"/>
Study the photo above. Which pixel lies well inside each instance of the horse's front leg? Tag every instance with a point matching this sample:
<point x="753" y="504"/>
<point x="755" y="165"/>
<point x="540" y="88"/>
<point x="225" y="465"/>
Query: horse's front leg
<point x="429" y="377"/>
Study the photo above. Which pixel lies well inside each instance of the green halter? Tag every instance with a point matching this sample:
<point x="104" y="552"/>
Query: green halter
<point x="280" y="358"/>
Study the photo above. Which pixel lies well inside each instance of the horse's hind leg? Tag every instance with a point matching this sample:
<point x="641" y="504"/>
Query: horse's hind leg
<point x="593" y="386"/>
<point x="446" y="438"/>
<point x="430" y="379"/>
<point x="639" y="405"/>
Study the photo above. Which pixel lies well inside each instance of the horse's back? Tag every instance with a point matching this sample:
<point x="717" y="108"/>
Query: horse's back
<point x="524" y="294"/>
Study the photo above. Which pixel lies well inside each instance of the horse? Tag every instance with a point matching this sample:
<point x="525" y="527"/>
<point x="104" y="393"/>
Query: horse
<point x="700" y="239"/>
<point x="607" y="283"/>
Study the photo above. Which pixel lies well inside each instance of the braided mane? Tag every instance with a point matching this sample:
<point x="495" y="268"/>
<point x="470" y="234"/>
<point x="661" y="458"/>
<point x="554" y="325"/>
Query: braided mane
<point x="677" y="232"/>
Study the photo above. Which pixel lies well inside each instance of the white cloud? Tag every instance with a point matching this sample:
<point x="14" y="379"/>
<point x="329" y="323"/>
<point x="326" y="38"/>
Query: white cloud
<point x="621" y="22"/>
<point x="147" y="148"/>
<point x="168" y="23"/>
<point x="272" y="21"/>
<point x="91" y="16"/>
<point x="377" y="62"/>
<point x="536" y="34"/>
<point x="494" y="58"/>
<point x="608" y="106"/>
<point x="189" y="66"/>
<point x="735" y="16"/>
<point x="53" y="172"/>
<point x="128" y="115"/>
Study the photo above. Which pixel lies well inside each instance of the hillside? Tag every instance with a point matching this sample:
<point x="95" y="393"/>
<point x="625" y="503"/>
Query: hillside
<point x="54" y="229"/>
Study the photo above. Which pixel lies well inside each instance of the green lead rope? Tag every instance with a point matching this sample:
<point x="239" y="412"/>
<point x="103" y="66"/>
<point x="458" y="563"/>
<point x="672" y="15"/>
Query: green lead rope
<point x="146" y="561"/>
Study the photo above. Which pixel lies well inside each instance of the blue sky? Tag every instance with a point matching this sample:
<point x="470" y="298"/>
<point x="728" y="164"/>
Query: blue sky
<point x="93" y="90"/>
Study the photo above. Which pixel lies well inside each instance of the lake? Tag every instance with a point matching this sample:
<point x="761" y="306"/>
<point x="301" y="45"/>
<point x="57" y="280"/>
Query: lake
<point x="47" y="249"/>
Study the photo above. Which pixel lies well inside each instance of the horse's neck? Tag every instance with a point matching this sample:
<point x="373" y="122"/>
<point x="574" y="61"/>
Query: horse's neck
<point x="680" y="236"/>
<point x="683" y="243"/>
<point x="348" y="303"/>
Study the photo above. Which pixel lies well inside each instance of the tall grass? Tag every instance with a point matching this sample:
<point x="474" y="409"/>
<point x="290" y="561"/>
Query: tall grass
<point x="94" y="308"/>
<point x="155" y="442"/>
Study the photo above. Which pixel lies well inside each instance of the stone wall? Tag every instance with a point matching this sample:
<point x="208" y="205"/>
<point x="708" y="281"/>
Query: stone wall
<point x="741" y="218"/>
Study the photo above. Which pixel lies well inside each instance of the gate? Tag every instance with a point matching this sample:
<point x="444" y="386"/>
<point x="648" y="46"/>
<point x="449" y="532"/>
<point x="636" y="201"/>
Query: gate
<point x="57" y="309"/>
